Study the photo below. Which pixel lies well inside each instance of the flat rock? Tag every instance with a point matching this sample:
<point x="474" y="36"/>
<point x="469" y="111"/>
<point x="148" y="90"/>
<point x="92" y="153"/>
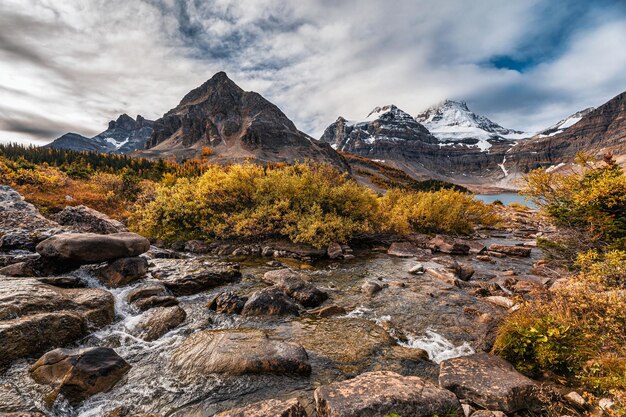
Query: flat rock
<point x="91" y="248"/>
<point x="490" y="382"/>
<point x="239" y="352"/>
<point x="376" y="394"/>
<point x="269" y="302"/>
<point x="449" y="245"/>
<point x="79" y="374"/>
<point x="82" y="219"/>
<point x="269" y="408"/>
<point x="512" y="250"/>
<point x="407" y="250"/>
<point x="154" y="301"/>
<point x="294" y="286"/>
<point x="191" y="276"/>
<point x="36" y="317"/>
<point x="158" y="321"/>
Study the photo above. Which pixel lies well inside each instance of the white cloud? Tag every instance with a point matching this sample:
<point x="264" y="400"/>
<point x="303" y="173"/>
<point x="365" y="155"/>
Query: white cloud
<point x="73" y="65"/>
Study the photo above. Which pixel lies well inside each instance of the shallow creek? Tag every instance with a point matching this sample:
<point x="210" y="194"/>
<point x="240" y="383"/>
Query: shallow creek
<point x="377" y="332"/>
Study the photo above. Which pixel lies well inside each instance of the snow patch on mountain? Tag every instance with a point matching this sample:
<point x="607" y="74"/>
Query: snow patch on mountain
<point x="565" y="123"/>
<point x="453" y="121"/>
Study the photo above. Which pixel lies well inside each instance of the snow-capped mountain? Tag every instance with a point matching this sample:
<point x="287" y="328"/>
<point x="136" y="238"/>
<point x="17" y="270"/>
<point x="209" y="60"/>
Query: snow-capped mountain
<point x="566" y="123"/>
<point x="124" y="135"/>
<point x="453" y="122"/>
<point x="383" y="124"/>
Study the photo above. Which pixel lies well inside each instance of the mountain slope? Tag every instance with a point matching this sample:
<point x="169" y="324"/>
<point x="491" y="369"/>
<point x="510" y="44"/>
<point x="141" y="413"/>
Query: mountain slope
<point x="236" y="125"/>
<point x="123" y="136"/>
<point x="453" y="122"/>
<point x="599" y="131"/>
<point x="566" y="123"/>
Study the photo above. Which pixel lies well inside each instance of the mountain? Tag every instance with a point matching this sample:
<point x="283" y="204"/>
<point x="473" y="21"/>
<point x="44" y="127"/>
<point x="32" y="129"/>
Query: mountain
<point x="123" y="136"/>
<point x="236" y="125"/>
<point x="387" y="124"/>
<point x="453" y="122"/>
<point x="566" y="123"/>
<point x="390" y="135"/>
<point x="599" y="131"/>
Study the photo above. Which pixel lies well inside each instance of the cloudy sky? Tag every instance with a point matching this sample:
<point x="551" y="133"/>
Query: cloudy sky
<point x="72" y="65"/>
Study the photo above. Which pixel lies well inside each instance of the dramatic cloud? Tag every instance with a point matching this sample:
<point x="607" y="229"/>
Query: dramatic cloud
<point x="73" y="65"/>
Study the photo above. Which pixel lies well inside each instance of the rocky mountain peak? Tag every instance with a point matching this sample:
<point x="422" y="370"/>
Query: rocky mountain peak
<point x="237" y="124"/>
<point x="566" y="123"/>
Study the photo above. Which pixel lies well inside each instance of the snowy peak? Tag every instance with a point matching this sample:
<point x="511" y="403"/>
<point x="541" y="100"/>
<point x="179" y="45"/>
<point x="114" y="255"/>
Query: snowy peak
<point x="452" y="122"/>
<point x="452" y="113"/>
<point x="566" y="123"/>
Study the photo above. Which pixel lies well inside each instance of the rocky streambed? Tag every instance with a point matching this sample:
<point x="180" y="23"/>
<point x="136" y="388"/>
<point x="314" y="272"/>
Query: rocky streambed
<point x="98" y="324"/>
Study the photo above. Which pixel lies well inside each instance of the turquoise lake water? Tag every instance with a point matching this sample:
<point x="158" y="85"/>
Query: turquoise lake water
<point x="506" y="198"/>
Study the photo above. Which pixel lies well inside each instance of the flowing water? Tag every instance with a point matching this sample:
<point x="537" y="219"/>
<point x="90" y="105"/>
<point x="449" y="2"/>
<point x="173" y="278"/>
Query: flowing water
<point x="414" y="312"/>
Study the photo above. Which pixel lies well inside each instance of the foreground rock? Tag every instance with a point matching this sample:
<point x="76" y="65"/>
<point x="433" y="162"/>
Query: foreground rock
<point x="375" y="394"/>
<point x="122" y="271"/>
<point x="407" y="250"/>
<point x="36" y="317"/>
<point x="191" y="276"/>
<point x="269" y="302"/>
<point x="90" y="248"/>
<point x="511" y="250"/>
<point x="80" y="374"/>
<point x="82" y="219"/>
<point x="269" y="408"/>
<point x="489" y="382"/>
<point x="296" y="287"/>
<point x="239" y="352"/>
<point x="158" y="321"/>
<point x="227" y="303"/>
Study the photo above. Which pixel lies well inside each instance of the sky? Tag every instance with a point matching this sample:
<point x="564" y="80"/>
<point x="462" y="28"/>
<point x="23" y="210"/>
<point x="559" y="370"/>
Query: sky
<point x="73" y="65"/>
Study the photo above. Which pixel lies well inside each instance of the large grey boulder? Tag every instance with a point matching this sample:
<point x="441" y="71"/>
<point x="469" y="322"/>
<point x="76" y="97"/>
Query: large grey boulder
<point x="36" y="317"/>
<point x="490" y="382"/>
<point x="376" y="394"/>
<point x="91" y="248"/>
<point x="79" y="374"/>
<point x="83" y="219"/>
<point x="191" y="276"/>
<point x="238" y="352"/>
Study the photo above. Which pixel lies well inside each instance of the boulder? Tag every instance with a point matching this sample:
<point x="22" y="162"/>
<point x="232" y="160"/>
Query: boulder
<point x="328" y="311"/>
<point x="500" y="301"/>
<point x="82" y="219"/>
<point x="269" y="302"/>
<point x="489" y="382"/>
<point x="417" y="269"/>
<point x="375" y="394"/>
<point x="18" y="215"/>
<point x="238" y="352"/>
<point x="269" y="408"/>
<point x="146" y="290"/>
<point x="334" y="251"/>
<point x="36" y="317"/>
<point x="294" y="286"/>
<point x="122" y="271"/>
<point x="371" y="287"/>
<point x="191" y="276"/>
<point x="158" y="321"/>
<point x="449" y="245"/>
<point x="90" y="248"/>
<point x="228" y="303"/>
<point x="407" y="250"/>
<point x="154" y="301"/>
<point x="512" y="250"/>
<point x="79" y="374"/>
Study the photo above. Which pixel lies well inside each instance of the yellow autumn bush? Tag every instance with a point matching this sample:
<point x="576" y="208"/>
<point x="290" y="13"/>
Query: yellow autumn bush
<point x="446" y="211"/>
<point x="305" y="203"/>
